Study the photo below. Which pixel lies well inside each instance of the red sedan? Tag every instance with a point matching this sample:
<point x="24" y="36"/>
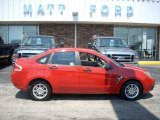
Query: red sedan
<point x="79" y="71"/>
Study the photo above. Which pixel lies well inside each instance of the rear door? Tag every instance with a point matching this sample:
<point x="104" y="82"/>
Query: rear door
<point x="63" y="73"/>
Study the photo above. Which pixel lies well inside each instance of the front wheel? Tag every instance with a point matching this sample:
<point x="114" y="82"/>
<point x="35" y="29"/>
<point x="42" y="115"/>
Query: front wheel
<point x="131" y="90"/>
<point x="40" y="90"/>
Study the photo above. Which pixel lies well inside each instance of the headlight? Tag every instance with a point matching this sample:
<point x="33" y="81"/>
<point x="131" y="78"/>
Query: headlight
<point x="14" y="57"/>
<point x="136" y="58"/>
<point x="148" y="74"/>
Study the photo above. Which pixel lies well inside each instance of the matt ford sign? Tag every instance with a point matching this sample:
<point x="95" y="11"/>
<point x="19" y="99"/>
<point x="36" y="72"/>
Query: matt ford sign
<point x="28" y="9"/>
<point x="104" y="10"/>
<point x="83" y="11"/>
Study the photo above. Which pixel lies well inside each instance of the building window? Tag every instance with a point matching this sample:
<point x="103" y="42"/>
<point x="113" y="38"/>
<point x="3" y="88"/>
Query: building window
<point x="15" y="33"/>
<point x="4" y="33"/>
<point x="30" y="30"/>
<point x="142" y="37"/>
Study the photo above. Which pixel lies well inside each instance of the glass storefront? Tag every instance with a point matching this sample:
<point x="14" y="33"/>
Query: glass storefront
<point x="4" y="33"/>
<point x="15" y="33"/>
<point x="143" y="39"/>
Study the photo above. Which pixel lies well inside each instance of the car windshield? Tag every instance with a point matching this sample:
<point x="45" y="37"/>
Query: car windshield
<point x="112" y="42"/>
<point x="39" y="41"/>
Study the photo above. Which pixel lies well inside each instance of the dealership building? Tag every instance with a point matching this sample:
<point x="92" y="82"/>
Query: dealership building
<point x="75" y="22"/>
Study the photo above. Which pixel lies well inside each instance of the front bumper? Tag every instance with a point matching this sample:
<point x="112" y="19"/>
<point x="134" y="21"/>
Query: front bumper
<point x="131" y="63"/>
<point x="149" y="85"/>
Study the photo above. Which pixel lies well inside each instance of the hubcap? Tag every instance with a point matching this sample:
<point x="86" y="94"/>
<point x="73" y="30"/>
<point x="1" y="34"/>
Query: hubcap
<point x="40" y="91"/>
<point x="131" y="91"/>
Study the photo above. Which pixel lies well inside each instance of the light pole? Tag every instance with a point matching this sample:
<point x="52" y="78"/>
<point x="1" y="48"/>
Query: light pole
<point x="75" y="35"/>
<point x="75" y="19"/>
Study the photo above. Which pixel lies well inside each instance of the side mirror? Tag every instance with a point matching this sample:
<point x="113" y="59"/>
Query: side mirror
<point x="89" y="45"/>
<point x="108" y="66"/>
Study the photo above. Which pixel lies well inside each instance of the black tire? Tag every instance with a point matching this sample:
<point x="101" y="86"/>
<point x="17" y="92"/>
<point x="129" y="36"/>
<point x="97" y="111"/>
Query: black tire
<point x="40" y="90"/>
<point x="131" y="90"/>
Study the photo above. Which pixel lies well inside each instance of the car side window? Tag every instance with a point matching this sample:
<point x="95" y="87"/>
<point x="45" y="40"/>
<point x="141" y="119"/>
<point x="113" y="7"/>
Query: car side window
<point x="44" y="59"/>
<point x="63" y="58"/>
<point x="88" y="59"/>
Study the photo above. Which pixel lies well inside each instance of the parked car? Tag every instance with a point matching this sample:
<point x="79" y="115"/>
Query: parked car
<point x="16" y="41"/>
<point x="79" y="71"/>
<point x="34" y="45"/>
<point x="6" y="51"/>
<point x="115" y="48"/>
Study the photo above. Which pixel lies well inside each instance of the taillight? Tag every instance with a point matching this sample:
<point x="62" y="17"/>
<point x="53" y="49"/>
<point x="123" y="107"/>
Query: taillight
<point x="17" y="67"/>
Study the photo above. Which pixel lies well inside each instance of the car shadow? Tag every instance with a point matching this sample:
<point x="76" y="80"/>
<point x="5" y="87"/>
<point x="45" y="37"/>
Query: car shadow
<point x="3" y="66"/>
<point x="147" y="96"/>
<point x="83" y="97"/>
<point x="25" y="95"/>
<point x="133" y="110"/>
<point x="22" y="95"/>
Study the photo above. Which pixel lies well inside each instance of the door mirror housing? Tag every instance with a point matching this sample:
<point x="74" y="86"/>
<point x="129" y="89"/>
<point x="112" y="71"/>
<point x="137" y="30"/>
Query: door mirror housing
<point x="108" y="66"/>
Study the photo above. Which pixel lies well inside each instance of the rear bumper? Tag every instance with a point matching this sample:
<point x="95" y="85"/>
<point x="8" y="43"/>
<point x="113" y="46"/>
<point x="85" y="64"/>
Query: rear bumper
<point x="18" y="82"/>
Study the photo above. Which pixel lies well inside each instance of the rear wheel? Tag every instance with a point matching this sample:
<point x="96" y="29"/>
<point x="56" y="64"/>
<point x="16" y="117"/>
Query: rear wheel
<point x="131" y="90"/>
<point x="40" y="90"/>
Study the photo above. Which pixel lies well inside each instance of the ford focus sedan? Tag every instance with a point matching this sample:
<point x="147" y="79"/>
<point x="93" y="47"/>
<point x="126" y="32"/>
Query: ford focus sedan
<point x="79" y="71"/>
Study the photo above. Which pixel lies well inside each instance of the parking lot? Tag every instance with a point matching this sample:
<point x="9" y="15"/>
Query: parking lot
<point x="17" y="105"/>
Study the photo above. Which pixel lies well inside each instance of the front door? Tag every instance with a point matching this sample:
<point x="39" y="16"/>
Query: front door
<point x="94" y="78"/>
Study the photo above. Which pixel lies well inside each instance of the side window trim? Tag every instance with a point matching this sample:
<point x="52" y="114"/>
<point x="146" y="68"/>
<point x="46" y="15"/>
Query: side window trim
<point x="50" y="59"/>
<point x="78" y="60"/>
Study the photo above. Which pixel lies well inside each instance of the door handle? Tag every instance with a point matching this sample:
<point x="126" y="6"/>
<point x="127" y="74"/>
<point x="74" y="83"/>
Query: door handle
<point x="53" y="67"/>
<point x="87" y="70"/>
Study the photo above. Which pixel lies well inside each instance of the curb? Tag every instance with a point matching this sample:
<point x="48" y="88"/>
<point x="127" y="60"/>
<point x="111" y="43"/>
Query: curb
<point x="149" y="62"/>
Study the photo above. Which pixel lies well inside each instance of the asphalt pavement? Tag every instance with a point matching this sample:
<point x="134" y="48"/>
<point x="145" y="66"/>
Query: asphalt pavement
<point x="17" y="105"/>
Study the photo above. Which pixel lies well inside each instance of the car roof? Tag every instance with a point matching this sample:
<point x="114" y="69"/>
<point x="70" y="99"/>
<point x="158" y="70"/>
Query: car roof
<point x="41" y="36"/>
<point x="71" y="49"/>
<point x="53" y="50"/>
<point x="107" y="37"/>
